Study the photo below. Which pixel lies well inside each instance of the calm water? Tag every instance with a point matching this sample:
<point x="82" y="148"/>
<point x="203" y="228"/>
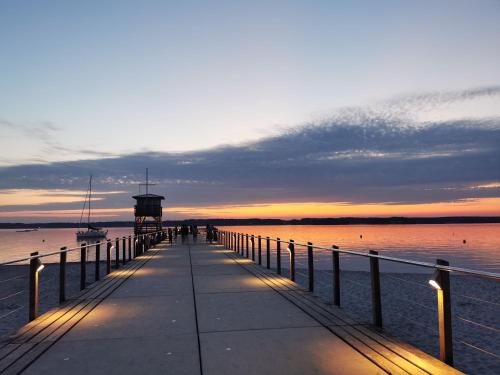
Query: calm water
<point x="419" y="242"/>
<point x="481" y="249"/>
<point x="20" y="244"/>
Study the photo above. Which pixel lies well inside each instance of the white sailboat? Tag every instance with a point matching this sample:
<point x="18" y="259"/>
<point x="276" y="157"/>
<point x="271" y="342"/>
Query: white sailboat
<point x="92" y="233"/>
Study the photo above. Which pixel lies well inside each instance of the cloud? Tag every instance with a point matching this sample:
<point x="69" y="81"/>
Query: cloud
<point x="363" y="156"/>
<point x="40" y="144"/>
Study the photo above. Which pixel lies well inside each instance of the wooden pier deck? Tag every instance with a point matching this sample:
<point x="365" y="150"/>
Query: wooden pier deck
<point x="197" y="308"/>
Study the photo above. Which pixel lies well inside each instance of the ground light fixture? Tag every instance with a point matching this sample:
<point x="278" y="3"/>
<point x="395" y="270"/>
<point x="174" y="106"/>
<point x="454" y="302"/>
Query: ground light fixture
<point x="435" y="280"/>
<point x="39" y="265"/>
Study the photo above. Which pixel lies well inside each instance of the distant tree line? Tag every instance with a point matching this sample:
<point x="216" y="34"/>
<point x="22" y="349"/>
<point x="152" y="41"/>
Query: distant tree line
<point x="305" y="221"/>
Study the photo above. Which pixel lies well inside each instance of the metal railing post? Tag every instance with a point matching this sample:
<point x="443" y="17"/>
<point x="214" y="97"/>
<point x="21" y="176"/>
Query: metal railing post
<point x="129" y="247"/>
<point x="291" y="248"/>
<point x="246" y="242"/>
<point x="62" y="274"/>
<point x="97" y="260"/>
<point x="33" y="286"/>
<point x="238" y="242"/>
<point x="268" y="252"/>
<point x="242" y="244"/>
<point x="117" y="252"/>
<point x="310" y="265"/>
<point x="259" y="250"/>
<point x="252" y="240"/>
<point x="336" y="276"/>
<point x="376" y="295"/>
<point x="444" y="315"/>
<point x="108" y="257"/>
<point x="83" y="266"/>
<point x="278" y="256"/>
<point x="124" y="250"/>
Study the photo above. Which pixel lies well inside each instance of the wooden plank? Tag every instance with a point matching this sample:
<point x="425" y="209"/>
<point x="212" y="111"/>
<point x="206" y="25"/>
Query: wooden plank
<point x="16" y="350"/>
<point x="416" y="356"/>
<point x="368" y="352"/>
<point x="384" y="351"/>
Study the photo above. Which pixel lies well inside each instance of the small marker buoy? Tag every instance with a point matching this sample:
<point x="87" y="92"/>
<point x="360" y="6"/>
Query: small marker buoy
<point x="464" y="241"/>
<point x="360" y="236"/>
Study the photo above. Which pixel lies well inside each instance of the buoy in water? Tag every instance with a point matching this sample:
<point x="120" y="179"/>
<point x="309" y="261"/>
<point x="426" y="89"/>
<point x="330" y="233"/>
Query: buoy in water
<point x="360" y="236"/>
<point x="464" y="241"/>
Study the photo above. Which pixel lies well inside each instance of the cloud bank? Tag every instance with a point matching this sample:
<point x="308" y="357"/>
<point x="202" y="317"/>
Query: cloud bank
<point x="359" y="155"/>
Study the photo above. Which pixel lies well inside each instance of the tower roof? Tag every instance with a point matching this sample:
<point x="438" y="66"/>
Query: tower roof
<point x="142" y="196"/>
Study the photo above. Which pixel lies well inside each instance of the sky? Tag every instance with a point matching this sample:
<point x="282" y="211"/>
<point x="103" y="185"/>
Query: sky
<point x="250" y="109"/>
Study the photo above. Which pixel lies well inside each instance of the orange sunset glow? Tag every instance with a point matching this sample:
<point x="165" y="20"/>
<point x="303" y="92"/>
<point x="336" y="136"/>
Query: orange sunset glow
<point x="466" y="207"/>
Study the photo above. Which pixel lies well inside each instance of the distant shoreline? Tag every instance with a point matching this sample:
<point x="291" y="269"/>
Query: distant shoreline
<point x="304" y="221"/>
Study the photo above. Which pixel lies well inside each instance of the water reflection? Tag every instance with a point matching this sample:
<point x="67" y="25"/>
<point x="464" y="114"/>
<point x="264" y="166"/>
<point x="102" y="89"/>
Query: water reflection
<point x="480" y="250"/>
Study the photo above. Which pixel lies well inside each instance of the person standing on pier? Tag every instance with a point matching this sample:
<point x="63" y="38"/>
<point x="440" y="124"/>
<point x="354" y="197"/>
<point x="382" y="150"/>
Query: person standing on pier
<point x="184" y="232"/>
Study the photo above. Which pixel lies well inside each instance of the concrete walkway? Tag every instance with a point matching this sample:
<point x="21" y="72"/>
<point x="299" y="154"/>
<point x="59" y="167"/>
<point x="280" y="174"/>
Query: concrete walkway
<point x="192" y="309"/>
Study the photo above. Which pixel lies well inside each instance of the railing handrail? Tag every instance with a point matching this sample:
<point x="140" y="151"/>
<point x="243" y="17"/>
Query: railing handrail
<point x="67" y="250"/>
<point x="468" y="271"/>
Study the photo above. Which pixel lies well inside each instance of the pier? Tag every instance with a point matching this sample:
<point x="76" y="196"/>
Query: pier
<point x="188" y="306"/>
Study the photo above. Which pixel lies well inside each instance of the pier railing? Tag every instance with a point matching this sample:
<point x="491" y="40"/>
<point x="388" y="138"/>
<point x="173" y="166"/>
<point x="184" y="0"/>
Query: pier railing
<point x="259" y="249"/>
<point x="108" y="254"/>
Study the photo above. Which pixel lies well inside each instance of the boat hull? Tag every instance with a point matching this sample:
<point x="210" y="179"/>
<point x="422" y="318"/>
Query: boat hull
<point x="91" y="234"/>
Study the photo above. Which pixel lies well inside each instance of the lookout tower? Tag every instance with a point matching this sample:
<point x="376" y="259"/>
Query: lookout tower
<point x="148" y="206"/>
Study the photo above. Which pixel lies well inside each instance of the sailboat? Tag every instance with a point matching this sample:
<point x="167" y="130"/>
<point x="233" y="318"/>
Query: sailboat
<point x="92" y="233"/>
